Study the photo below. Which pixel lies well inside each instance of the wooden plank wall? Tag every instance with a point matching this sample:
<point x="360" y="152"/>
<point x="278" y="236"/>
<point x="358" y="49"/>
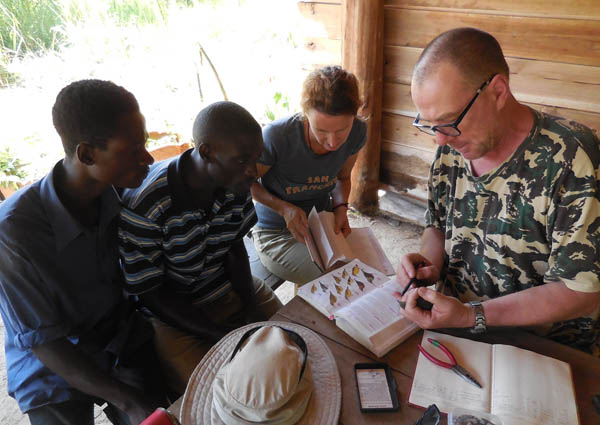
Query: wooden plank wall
<point x="552" y="48"/>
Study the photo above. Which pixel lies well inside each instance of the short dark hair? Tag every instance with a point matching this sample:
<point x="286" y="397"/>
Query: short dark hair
<point x="89" y="111"/>
<point x="476" y="54"/>
<point x="223" y="121"/>
<point x="331" y="90"/>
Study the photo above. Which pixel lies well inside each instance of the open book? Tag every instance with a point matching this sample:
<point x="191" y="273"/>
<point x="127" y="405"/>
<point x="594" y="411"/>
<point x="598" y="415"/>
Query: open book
<point x="360" y="300"/>
<point x="519" y="386"/>
<point x="326" y="248"/>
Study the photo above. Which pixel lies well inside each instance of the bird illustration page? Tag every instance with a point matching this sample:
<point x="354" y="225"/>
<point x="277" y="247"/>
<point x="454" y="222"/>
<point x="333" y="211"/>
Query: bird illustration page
<point x="360" y="299"/>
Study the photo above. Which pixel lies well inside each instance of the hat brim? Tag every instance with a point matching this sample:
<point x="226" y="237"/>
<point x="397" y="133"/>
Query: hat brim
<point x="326" y="399"/>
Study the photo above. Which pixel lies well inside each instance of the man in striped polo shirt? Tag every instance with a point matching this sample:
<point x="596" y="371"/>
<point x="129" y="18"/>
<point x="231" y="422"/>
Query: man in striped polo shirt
<point x="181" y="240"/>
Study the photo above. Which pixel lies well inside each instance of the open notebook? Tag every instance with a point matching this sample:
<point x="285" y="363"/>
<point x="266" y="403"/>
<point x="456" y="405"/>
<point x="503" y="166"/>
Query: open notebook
<point x="326" y="248"/>
<point x="360" y="300"/>
<point x="519" y="386"/>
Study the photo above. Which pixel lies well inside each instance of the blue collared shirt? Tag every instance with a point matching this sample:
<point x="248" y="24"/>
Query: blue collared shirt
<point x="57" y="279"/>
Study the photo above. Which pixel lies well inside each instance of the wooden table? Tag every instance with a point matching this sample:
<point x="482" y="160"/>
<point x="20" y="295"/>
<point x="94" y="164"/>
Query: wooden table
<point x="402" y="360"/>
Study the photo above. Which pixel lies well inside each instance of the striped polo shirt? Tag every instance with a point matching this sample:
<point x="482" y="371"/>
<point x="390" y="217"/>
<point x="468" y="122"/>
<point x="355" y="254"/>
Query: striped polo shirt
<point x="166" y="239"/>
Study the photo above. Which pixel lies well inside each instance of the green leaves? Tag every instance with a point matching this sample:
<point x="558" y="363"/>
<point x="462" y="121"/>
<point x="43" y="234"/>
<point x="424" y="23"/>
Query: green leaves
<point x="11" y="169"/>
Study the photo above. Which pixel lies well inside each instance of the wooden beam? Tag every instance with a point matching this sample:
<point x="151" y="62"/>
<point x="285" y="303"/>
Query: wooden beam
<point x="402" y="178"/>
<point x="552" y="39"/>
<point x="541" y="82"/>
<point x="362" y="54"/>
<point x="327" y="15"/>
<point x="322" y="51"/>
<point x="581" y="9"/>
<point x="399" y="129"/>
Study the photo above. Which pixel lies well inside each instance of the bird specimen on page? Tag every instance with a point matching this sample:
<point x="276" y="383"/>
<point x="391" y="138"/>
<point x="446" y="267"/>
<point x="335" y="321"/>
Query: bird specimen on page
<point x="355" y="270"/>
<point x="332" y="298"/>
<point x="348" y="293"/>
<point x="369" y="276"/>
<point x="361" y="285"/>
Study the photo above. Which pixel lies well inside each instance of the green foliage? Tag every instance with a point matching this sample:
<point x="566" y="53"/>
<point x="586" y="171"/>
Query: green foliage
<point x="7" y="78"/>
<point x="280" y="107"/>
<point x="29" y="25"/>
<point x="11" y="169"/>
<point x="136" y="11"/>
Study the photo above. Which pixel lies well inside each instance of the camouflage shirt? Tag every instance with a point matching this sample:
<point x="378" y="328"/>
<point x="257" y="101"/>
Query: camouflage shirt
<point x="534" y="219"/>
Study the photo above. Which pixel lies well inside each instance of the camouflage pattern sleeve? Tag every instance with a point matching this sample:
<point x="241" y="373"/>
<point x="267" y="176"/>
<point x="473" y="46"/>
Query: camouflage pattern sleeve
<point x="435" y="214"/>
<point x="574" y="211"/>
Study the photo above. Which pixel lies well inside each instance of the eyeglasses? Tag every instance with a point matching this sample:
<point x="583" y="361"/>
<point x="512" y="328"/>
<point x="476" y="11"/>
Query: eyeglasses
<point x="452" y="128"/>
<point x="430" y="417"/>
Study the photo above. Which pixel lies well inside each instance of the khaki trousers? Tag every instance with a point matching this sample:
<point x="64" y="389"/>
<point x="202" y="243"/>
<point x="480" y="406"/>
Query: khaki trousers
<point x="284" y="256"/>
<point x="180" y="352"/>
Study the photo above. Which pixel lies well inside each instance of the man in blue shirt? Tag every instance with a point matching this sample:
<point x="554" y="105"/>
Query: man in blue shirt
<point x="72" y="340"/>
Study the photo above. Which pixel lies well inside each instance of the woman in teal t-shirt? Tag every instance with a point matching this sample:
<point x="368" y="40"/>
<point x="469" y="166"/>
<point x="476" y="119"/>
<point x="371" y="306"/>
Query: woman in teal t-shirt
<point x="307" y="162"/>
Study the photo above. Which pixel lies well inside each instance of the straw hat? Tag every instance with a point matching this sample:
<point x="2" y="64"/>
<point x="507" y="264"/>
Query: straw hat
<point x="198" y="407"/>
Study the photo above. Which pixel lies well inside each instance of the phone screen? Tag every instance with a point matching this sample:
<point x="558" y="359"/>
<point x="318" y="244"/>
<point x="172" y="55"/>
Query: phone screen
<point x="373" y="389"/>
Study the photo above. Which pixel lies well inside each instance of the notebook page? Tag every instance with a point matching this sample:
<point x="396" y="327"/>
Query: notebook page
<point x="435" y="384"/>
<point x="532" y="389"/>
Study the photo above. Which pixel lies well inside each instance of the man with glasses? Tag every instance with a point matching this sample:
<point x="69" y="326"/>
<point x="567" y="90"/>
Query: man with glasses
<point x="513" y="219"/>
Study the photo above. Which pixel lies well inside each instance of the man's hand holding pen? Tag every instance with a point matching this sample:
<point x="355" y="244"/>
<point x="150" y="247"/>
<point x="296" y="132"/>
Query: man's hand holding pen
<point x="414" y="272"/>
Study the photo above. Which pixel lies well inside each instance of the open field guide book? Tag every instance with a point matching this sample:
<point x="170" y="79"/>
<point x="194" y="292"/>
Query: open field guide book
<point x="360" y="300"/>
<point x="519" y="386"/>
<point x="326" y="248"/>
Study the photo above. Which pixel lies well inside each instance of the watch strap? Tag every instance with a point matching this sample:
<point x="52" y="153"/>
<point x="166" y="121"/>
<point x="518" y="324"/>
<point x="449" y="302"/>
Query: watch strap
<point x="480" y="323"/>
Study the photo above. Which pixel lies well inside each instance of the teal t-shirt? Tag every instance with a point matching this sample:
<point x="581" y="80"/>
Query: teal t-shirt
<point x="297" y="174"/>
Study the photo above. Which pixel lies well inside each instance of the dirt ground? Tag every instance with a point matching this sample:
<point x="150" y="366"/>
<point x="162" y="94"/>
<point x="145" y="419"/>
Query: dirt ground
<point x="396" y="238"/>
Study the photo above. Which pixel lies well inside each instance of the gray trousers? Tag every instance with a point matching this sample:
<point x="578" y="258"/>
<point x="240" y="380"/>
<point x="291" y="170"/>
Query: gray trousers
<point x="284" y="256"/>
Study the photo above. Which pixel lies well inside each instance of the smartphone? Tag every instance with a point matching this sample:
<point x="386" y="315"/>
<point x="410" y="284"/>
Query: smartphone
<point x="376" y="388"/>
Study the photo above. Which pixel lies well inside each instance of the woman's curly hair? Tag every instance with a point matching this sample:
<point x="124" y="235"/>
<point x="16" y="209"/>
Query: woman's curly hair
<point x="331" y="90"/>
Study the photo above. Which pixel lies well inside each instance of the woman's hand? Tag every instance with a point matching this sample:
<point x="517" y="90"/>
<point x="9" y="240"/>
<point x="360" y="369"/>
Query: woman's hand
<point x="341" y="220"/>
<point x="296" y="222"/>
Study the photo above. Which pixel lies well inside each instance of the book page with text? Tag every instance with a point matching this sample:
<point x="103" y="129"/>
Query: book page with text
<point x="532" y="389"/>
<point x="436" y="384"/>
<point x="366" y="248"/>
<point x="374" y="311"/>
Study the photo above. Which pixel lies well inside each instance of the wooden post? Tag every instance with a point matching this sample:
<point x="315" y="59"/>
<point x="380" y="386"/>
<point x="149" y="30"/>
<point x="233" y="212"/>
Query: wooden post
<point x="362" y="54"/>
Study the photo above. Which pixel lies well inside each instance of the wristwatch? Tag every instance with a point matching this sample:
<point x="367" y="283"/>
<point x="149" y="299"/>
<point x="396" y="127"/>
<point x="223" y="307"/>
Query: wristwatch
<point x="480" y="326"/>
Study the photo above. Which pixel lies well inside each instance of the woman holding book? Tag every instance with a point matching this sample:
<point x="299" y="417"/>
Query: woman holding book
<point x="307" y="162"/>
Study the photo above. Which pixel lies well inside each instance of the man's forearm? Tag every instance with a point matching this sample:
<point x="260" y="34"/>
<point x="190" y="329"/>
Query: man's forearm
<point x="75" y="367"/>
<point x="432" y="246"/>
<point x="548" y="303"/>
<point x="240" y="275"/>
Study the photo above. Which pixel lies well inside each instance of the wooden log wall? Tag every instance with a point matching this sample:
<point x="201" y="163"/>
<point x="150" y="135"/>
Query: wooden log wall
<point x="552" y="48"/>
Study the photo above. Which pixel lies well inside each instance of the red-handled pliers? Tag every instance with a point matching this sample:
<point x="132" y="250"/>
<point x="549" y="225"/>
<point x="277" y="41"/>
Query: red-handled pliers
<point x="459" y="370"/>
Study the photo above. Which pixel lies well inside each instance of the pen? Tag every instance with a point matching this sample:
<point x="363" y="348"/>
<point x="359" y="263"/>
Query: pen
<point x="412" y="280"/>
